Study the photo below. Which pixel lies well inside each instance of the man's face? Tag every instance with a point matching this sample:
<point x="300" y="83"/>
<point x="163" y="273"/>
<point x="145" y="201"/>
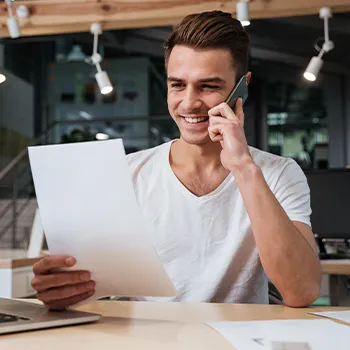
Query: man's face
<point x="198" y="80"/>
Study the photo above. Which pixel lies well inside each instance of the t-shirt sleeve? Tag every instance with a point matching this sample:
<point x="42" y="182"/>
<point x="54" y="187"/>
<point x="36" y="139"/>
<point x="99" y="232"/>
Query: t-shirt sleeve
<point x="293" y="193"/>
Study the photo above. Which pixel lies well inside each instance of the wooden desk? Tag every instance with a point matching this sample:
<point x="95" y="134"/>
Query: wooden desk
<point x="16" y="273"/>
<point x="339" y="288"/>
<point x="336" y="267"/>
<point x="154" y="326"/>
<point x="12" y="259"/>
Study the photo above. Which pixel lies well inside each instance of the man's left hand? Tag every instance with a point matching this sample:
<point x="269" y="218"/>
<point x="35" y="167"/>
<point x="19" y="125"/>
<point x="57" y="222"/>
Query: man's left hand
<point x="226" y="126"/>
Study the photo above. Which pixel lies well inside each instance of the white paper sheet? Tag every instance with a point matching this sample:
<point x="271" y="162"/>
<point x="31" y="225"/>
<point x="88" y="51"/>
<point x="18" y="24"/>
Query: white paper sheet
<point x="89" y="210"/>
<point x="36" y="237"/>
<point x="293" y="334"/>
<point x="343" y="316"/>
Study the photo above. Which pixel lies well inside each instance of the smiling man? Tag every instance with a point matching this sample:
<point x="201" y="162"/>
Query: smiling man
<point x="226" y="216"/>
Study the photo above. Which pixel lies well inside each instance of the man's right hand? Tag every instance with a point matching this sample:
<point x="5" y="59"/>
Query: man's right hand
<point x="61" y="289"/>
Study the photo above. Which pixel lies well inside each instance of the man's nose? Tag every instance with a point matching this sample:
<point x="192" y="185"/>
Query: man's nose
<point x="191" y="101"/>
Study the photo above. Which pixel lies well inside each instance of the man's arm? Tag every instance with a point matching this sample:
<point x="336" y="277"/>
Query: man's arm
<point x="287" y="249"/>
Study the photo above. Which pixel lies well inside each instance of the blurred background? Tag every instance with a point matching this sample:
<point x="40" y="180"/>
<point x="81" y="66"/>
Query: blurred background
<point x="51" y="95"/>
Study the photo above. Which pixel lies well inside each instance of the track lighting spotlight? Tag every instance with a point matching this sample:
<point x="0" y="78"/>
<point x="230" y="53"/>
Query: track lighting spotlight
<point x="2" y="78"/>
<point x="12" y="22"/>
<point x="242" y="10"/>
<point x="101" y="76"/>
<point x="316" y="62"/>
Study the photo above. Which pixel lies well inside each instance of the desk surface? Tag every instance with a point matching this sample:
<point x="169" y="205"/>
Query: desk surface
<point x="18" y="258"/>
<point x="154" y="326"/>
<point x="336" y="267"/>
<point x="10" y="258"/>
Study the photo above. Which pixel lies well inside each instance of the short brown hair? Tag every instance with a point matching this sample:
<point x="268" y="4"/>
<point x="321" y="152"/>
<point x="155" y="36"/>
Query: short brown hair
<point x="215" y="29"/>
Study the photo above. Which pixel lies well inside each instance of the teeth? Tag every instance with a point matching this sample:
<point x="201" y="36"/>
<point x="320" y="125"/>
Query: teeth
<point x="195" y="120"/>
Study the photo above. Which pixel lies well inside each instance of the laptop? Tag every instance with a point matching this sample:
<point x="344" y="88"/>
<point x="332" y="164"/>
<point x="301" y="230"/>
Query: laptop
<point x="19" y="316"/>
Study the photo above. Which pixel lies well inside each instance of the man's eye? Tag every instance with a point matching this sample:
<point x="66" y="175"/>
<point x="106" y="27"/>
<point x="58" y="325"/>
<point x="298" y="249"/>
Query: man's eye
<point x="212" y="87"/>
<point x="177" y="85"/>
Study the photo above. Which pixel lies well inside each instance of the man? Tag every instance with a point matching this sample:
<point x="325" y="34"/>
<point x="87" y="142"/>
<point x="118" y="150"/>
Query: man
<point x="226" y="217"/>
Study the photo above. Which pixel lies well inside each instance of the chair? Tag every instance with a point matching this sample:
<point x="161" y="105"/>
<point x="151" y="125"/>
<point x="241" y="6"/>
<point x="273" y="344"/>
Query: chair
<point x="275" y="297"/>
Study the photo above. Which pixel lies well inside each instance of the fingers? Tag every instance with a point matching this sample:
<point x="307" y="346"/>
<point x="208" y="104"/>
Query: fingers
<point x="54" y="295"/>
<point x="218" y="120"/>
<point x="43" y="282"/>
<point x="223" y="110"/>
<point x="216" y="132"/>
<point x="51" y="262"/>
<point x="218" y="125"/>
<point x="231" y="130"/>
<point x="65" y="303"/>
<point x="61" y="289"/>
<point x="239" y="110"/>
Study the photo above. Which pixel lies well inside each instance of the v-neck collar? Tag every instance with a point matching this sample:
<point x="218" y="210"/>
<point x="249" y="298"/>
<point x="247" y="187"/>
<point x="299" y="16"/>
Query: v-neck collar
<point x="229" y="178"/>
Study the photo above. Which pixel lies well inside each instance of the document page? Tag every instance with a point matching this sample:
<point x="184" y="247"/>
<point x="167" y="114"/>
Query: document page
<point x="343" y="316"/>
<point x="285" y="334"/>
<point x="89" y="210"/>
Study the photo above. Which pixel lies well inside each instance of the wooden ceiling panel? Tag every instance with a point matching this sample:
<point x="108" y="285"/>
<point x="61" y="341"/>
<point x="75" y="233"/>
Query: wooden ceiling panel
<point x="64" y="16"/>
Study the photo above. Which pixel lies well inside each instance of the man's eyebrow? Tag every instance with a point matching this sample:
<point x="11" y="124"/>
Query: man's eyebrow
<point x="212" y="80"/>
<point x="174" y="79"/>
<point x="204" y="80"/>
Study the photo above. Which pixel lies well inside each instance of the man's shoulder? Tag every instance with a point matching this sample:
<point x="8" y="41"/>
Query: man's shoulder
<point x="269" y="160"/>
<point x="140" y="159"/>
<point x="273" y="166"/>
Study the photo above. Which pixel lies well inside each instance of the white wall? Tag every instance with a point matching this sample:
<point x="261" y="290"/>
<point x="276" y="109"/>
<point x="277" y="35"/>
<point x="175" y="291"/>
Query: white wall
<point x="16" y="116"/>
<point x="16" y="105"/>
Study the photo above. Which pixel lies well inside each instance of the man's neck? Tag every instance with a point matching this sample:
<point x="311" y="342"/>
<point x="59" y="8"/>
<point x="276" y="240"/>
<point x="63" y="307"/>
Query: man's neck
<point x="196" y="158"/>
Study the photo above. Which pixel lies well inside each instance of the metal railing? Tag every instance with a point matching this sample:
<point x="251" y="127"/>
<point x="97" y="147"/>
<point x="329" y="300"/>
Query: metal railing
<point x="16" y="183"/>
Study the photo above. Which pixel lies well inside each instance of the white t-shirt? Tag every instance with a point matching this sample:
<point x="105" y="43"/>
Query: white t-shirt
<point x="206" y="243"/>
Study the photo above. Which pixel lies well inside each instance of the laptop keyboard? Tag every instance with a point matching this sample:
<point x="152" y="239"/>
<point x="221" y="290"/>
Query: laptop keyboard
<point x="11" y="318"/>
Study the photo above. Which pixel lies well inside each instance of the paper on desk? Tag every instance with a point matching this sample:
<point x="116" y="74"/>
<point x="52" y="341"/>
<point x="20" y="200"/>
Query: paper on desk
<point x="285" y="334"/>
<point x="89" y="210"/>
<point x="343" y="316"/>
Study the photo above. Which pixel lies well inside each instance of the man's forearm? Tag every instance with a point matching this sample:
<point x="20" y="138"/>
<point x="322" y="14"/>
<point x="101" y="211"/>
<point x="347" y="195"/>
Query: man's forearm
<point x="287" y="257"/>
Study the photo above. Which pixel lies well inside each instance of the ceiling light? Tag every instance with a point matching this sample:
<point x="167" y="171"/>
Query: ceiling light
<point x="76" y="55"/>
<point x="313" y="68"/>
<point x="12" y="22"/>
<point x="316" y="62"/>
<point x="103" y="82"/>
<point x="2" y="78"/>
<point x="242" y="10"/>
<point x="101" y="76"/>
<point x="22" y="11"/>
<point x="101" y="136"/>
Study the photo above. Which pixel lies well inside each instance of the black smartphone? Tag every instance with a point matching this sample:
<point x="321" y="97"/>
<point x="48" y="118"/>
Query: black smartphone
<point x="239" y="91"/>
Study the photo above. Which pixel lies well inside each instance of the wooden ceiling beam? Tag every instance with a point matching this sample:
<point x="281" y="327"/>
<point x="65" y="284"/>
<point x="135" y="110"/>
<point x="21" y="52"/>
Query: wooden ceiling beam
<point x="49" y="17"/>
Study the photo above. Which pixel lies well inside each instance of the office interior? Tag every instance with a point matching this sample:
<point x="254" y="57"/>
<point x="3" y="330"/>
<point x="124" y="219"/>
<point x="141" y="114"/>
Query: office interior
<point x="50" y="96"/>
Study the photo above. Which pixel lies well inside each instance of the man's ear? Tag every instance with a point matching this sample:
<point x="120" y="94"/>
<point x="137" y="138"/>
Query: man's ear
<point x="249" y="76"/>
